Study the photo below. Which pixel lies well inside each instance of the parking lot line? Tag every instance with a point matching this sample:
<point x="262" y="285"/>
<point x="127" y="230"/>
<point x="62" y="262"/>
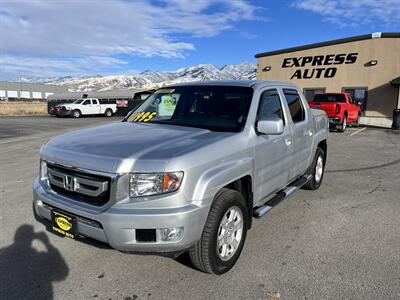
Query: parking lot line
<point x="358" y="131"/>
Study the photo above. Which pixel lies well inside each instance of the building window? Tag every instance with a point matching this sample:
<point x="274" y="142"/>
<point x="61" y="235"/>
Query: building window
<point x="295" y="105"/>
<point x="359" y="94"/>
<point x="309" y="93"/>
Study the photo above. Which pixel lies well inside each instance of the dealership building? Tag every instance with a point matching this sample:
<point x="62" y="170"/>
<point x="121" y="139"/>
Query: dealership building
<point x="366" y="66"/>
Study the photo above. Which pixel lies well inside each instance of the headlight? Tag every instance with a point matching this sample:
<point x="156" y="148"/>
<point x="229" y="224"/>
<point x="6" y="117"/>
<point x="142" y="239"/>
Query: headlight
<point x="43" y="170"/>
<point x="147" y="184"/>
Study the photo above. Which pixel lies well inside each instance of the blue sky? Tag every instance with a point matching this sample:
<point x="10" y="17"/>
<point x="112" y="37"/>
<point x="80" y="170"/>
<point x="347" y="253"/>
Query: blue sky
<point x="59" y="38"/>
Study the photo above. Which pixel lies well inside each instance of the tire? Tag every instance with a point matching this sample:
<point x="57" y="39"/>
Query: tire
<point x="316" y="170"/>
<point x="76" y="113"/>
<point x="108" y="113"/>
<point x="207" y="254"/>
<point x="343" y="126"/>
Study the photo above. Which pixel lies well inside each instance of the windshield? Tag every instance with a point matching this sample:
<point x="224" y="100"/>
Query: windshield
<point x="78" y="101"/>
<point x="329" y="98"/>
<point x="216" y="108"/>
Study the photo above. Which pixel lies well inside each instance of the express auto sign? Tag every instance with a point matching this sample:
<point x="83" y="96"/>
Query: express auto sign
<point x="319" y="66"/>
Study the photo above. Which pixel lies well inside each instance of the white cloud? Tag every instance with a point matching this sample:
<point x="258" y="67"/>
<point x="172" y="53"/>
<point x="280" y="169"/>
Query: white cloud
<point x="354" y="12"/>
<point x="70" y="35"/>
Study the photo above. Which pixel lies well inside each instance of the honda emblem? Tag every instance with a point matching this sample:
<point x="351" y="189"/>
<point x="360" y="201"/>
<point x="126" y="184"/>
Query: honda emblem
<point x="69" y="183"/>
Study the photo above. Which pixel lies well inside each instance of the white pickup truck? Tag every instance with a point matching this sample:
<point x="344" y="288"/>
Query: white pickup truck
<point x="88" y="106"/>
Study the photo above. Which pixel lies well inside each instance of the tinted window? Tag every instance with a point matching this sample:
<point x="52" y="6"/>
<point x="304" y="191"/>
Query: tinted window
<point x="330" y="98"/>
<point x="87" y="102"/>
<point x="217" y="108"/>
<point x="310" y="93"/>
<point x="270" y="105"/>
<point x="94" y="101"/>
<point x="295" y="105"/>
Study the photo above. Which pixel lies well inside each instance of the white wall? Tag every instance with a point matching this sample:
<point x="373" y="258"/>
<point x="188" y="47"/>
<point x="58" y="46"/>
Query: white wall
<point x="12" y="94"/>
<point x="2" y="93"/>
<point x="36" y="95"/>
<point x="25" y="94"/>
<point x="48" y="94"/>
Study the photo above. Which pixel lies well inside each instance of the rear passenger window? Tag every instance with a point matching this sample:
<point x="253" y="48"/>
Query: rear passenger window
<point x="295" y="105"/>
<point x="270" y="105"/>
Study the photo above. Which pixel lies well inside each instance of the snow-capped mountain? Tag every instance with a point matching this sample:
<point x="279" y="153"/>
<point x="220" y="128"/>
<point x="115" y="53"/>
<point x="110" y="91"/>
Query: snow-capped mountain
<point x="154" y="79"/>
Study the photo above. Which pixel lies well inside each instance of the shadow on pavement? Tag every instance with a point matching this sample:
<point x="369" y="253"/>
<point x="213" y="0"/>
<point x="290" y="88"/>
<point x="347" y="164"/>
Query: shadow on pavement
<point x="26" y="273"/>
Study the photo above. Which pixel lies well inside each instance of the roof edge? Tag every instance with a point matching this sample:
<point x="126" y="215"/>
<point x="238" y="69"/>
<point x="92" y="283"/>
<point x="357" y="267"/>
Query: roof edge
<point x="332" y="42"/>
<point x="395" y="82"/>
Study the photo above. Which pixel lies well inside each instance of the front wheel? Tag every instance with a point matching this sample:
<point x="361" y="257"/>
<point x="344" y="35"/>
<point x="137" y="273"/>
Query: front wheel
<point x="316" y="170"/>
<point x="76" y="113"/>
<point x="223" y="235"/>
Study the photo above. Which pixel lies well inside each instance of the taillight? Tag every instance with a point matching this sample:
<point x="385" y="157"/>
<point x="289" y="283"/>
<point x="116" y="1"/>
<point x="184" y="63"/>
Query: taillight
<point x="338" y="108"/>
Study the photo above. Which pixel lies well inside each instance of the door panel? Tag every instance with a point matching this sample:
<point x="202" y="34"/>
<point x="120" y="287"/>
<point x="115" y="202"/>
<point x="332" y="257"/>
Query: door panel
<point x="272" y="152"/>
<point x="96" y="107"/>
<point x="85" y="107"/>
<point x="272" y="159"/>
<point x="302" y="131"/>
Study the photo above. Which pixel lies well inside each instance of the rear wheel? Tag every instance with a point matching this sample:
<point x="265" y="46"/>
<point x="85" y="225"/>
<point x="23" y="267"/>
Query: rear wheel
<point x="343" y="126"/>
<point x="316" y="170"/>
<point x="76" y="113"/>
<point x="223" y="235"/>
<point x="108" y="113"/>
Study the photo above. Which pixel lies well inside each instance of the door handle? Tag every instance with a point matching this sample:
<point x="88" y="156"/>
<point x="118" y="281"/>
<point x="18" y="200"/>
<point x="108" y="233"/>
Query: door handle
<point x="288" y="142"/>
<point x="310" y="133"/>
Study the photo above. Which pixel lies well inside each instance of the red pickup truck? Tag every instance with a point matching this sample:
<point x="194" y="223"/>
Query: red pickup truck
<point x="342" y="109"/>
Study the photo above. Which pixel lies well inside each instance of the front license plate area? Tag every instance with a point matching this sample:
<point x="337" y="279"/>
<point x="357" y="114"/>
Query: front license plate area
<point x="63" y="224"/>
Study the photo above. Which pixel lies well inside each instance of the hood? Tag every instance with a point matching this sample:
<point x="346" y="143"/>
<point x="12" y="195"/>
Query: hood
<point x="120" y="147"/>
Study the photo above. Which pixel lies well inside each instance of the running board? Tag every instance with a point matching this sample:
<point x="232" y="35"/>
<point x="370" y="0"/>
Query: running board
<point x="290" y="189"/>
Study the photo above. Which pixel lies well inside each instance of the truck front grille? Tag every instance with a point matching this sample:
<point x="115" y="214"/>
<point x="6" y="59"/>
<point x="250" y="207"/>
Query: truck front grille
<point x="79" y="186"/>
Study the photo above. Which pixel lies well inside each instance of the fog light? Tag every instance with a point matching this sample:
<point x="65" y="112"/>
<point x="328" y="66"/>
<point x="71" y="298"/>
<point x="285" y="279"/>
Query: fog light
<point x="39" y="203"/>
<point x="171" y="234"/>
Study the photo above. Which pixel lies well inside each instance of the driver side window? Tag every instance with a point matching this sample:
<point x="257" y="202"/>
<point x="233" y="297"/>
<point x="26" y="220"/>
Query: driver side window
<point x="270" y="106"/>
<point x="86" y="102"/>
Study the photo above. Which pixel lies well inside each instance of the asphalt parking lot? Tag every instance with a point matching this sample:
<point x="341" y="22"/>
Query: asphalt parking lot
<point x="340" y="242"/>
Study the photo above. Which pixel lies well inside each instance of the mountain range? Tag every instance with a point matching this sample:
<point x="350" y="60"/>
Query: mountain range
<point x="152" y="79"/>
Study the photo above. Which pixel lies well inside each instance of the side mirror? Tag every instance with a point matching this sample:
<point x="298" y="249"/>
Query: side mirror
<point x="270" y="126"/>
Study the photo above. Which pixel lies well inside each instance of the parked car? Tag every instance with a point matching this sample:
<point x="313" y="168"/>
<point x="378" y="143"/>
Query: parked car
<point x="88" y="106"/>
<point x="342" y="109"/>
<point x="55" y="110"/>
<point x="190" y="178"/>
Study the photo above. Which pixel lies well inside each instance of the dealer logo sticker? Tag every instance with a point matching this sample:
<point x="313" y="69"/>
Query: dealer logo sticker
<point x="63" y="223"/>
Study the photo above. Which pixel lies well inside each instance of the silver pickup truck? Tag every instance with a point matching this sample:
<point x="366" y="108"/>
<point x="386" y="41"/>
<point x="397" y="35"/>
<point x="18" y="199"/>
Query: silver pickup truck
<point x="186" y="171"/>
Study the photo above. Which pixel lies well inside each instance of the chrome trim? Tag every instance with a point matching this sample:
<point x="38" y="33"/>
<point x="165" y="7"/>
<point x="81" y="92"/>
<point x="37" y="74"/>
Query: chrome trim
<point x="113" y="185"/>
<point x="75" y="183"/>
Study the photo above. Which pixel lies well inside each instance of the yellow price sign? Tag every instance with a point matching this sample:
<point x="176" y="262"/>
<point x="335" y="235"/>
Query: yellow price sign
<point x="141" y="116"/>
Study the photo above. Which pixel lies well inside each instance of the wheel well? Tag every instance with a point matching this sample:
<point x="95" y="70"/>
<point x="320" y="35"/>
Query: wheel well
<point x="324" y="146"/>
<point x="243" y="185"/>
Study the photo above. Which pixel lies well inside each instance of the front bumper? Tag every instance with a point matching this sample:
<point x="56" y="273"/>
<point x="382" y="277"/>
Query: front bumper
<point x="64" y="112"/>
<point x="117" y="226"/>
